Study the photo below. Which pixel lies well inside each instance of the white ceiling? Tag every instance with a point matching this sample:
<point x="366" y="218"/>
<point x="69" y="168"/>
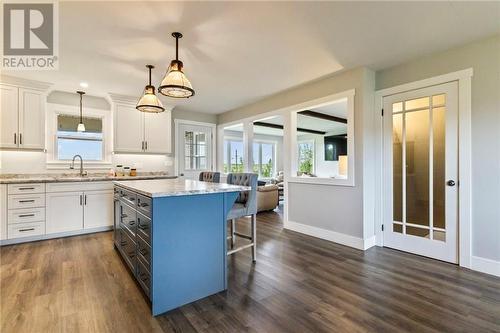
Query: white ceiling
<point x="236" y="53"/>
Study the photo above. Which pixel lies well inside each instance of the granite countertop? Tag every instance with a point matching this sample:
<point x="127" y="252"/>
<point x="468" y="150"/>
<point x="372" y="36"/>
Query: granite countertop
<point x="71" y="177"/>
<point x="177" y="187"/>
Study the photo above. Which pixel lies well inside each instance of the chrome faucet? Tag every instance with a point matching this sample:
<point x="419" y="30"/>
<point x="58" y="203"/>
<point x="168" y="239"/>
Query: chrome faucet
<point x="72" y="166"/>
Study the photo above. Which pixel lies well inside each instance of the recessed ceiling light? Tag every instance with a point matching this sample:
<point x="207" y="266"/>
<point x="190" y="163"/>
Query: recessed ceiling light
<point x="84" y="84"/>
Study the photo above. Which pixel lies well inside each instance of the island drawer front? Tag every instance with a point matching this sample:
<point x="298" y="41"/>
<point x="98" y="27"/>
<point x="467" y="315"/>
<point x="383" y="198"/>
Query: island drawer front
<point x="26" y="201"/>
<point x="144" y="277"/>
<point x="128" y="249"/>
<point x="144" y="251"/>
<point x="144" y="227"/>
<point x="26" y="229"/>
<point x="144" y="205"/>
<point x="26" y="188"/>
<point x="129" y="219"/>
<point x="128" y="197"/>
<point x="26" y="215"/>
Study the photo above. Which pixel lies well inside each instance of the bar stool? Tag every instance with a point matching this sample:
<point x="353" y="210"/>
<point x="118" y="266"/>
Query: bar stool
<point x="211" y="177"/>
<point x="245" y="205"/>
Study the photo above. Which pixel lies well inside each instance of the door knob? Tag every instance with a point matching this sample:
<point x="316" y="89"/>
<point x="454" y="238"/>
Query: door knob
<point x="450" y="183"/>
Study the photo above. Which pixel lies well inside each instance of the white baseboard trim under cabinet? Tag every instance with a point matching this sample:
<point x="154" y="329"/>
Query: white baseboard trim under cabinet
<point x="55" y="235"/>
<point x="485" y="265"/>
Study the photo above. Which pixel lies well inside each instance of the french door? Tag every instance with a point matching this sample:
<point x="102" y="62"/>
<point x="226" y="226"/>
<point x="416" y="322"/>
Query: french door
<point x="195" y="150"/>
<point x="421" y="171"/>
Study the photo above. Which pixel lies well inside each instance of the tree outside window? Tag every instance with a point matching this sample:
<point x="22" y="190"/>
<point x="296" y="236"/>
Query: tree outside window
<point x="306" y="157"/>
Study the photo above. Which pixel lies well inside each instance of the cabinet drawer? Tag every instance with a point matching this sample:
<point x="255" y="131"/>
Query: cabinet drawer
<point x="26" y="201"/>
<point x="25" y="229"/>
<point x="128" y="196"/>
<point x="144" y="205"/>
<point x="128" y="250"/>
<point x="26" y="188"/>
<point x="128" y="219"/>
<point x="144" y="277"/>
<point x="144" y="227"/>
<point x="26" y="215"/>
<point x="144" y="251"/>
<point x="79" y="186"/>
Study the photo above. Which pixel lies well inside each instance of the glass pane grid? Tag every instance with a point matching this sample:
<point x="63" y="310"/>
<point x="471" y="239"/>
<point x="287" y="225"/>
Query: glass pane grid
<point x="419" y="153"/>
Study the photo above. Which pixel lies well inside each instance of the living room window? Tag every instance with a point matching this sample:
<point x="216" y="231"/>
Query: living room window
<point x="306" y="155"/>
<point x="233" y="155"/>
<point x="264" y="159"/>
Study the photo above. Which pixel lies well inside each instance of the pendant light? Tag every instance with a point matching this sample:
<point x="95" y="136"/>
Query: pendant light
<point x="149" y="102"/>
<point x="81" y="125"/>
<point x="175" y="83"/>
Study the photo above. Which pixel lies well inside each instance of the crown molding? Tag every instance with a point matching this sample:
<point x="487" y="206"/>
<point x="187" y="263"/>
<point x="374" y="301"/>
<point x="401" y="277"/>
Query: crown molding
<point x="21" y="82"/>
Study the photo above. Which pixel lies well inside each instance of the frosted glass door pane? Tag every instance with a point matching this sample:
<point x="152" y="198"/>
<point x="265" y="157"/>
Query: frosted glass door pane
<point x="397" y="166"/>
<point x="417" y="167"/>
<point x="438" y="126"/>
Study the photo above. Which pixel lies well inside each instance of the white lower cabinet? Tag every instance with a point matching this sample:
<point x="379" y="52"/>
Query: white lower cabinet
<point x="64" y="212"/>
<point x="97" y="209"/>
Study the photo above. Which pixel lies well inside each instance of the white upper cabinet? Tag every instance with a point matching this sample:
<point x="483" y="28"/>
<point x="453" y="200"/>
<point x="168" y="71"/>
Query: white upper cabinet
<point x="157" y="132"/>
<point x="140" y="132"/>
<point x="31" y="119"/>
<point x="129" y="129"/>
<point x="9" y="116"/>
<point x="22" y="117"/>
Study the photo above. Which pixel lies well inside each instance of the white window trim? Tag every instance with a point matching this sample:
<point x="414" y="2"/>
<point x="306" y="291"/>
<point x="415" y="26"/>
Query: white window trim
<point x="230" y="138"/>
<point x="53" y="110"/>
<point x="464" y="78"/>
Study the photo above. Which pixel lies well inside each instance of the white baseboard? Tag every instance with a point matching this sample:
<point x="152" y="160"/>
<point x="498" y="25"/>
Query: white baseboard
<point x="484" y="265"/>
<point x="328" y="235"/>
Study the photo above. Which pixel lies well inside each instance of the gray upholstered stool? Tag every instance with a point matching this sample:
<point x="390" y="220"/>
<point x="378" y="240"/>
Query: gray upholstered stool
<point x="211" y="177"/>
<point x="245" y="205"/>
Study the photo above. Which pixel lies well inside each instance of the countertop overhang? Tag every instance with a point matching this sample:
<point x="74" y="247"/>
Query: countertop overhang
<point x="156" y="188"/>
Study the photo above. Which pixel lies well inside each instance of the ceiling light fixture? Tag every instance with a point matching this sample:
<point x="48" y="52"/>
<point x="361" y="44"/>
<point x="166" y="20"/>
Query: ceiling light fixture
<point x="81" y="125"/>
<point x="84" y="84"/>
<point x="149" y="102"/>
<point x="175" y="84"/>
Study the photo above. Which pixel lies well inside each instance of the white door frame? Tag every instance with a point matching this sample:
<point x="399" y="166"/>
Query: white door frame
<point x="177" y="123"/>
<point x="464" y="78"/>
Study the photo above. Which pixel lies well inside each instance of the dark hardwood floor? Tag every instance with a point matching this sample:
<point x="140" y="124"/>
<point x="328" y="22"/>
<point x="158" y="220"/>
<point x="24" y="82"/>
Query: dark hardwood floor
<point x="299" y="284"/>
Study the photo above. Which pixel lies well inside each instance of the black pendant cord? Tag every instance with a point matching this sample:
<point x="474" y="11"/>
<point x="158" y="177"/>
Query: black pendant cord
<point x="177" y="48"/>
<point x="81" y="105"/>
<point x="150" y="68"/>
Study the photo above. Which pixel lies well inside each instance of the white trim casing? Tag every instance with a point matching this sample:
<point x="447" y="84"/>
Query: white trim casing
<point x="464" y="152"/>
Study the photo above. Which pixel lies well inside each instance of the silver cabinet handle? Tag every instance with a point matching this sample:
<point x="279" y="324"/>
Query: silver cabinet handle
<point x="85" y="200"/>
<point x="146" y="145"/>
<point x="15" y="138"/>
<point x="26" y="215"/>
<point x="24" y="201"/>
<point x="29" y="229"/>
<point x="81" y="199"/>
<point x="20" y="138"/>
<point x="25" y="188"/>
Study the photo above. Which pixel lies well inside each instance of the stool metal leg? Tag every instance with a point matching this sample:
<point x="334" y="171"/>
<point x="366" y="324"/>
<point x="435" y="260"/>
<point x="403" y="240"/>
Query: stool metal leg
<point x="254" y="237"/>
<point x="233" y="225"/>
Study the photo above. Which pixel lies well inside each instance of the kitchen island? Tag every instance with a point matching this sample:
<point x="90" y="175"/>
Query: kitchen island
<point x="171" y="234"/>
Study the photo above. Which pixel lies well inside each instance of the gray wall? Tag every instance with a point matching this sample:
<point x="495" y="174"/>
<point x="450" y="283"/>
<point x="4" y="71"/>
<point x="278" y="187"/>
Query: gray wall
<point x="335" y="208"/>
<point x="73" y="99"/>
<point x="484" y="57"/>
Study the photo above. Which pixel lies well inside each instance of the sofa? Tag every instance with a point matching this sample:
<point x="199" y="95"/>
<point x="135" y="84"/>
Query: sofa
<point x="267" y="197"/>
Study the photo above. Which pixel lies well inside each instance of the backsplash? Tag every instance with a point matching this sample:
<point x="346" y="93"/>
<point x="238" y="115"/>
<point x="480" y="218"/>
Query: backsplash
<point x="21" y="162"/>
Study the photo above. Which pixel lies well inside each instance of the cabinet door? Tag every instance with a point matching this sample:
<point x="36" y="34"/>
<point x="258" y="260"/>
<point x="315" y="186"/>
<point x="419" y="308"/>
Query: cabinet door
<point x="9" y="116"/>
<point x="31" y="119"/>
<point x="157" y="132"/>
<point x="98" y="209"/>
<point x="64" y="212"/>
<point x="129" y="129"/>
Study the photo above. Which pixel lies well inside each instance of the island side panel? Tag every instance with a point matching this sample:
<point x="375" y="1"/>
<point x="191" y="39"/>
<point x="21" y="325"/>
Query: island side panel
<point x="189" y="248"/>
